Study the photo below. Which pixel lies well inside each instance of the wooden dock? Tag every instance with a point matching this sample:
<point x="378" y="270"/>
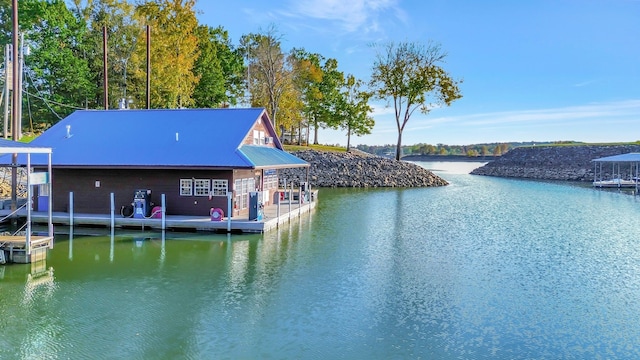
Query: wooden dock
<point x="273" y="217"/>
<point x="15" y="247"/>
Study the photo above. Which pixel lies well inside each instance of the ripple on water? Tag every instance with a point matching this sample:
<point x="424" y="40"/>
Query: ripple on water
<point x="483" y="268"/>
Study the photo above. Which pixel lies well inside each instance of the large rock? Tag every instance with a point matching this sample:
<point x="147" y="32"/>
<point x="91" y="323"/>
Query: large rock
<point x="553" y="162"/>
<point x="357" y="169"/>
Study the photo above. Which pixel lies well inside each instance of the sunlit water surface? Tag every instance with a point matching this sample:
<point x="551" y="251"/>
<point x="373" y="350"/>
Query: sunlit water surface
<point x="482" y="268"/>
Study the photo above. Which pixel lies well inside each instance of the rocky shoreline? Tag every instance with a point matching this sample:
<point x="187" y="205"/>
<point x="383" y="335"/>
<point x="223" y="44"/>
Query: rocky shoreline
<point x="359" y="169"/>
<point x="569" y="163"/>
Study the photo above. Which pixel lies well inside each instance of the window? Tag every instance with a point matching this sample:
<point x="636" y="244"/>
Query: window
<point x="43" y="190"/>
<point x="219" y="187"/>
<point x="242" y="188"/>
<point x="270" y="182"/>
<point x="201" y="187"/>
<point x="238" y="188"/>
<point x="186" y="187"/>
<point x="256" y="137"/>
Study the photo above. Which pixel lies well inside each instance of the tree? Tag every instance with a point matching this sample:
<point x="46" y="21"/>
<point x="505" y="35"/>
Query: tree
<point x="320" y="83"/>
<point x="355" y="110"/>
<point x="5" y="22"/>
<point x="57" y="78"/>
<point x="220" y="70"/>
<point x="326" y="113"/>
<point x="174" y="52"/>
<point x="123" y="34"/>
<point x="410" y="75"/>
<point x="269" y="72"/>
<point x="210" y="90"/>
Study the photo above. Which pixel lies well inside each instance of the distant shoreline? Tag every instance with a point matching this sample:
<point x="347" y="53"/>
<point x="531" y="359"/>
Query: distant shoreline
<point x="451" y="158"/>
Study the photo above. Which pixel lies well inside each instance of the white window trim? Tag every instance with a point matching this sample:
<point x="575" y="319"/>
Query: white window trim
<point x="201" y="187"/>
<point x="186" y="184"/>
<point x="219" y="187"/>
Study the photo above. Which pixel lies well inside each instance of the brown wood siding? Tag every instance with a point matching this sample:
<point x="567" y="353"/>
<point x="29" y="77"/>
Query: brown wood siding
<point x="248" y="140"/>
<point x="96" y="200"/>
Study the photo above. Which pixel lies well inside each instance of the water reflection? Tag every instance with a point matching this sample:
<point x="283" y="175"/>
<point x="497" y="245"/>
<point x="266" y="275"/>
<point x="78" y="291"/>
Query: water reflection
<point x="40" y="283"/>
<point x="484" y="268"/>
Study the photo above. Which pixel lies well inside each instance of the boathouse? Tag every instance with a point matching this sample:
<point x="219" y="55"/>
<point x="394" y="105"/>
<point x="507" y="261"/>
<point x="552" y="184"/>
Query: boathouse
<point x="22" y="245"/>
<point x="192" y="157"/>
<point x="617" y="171"/>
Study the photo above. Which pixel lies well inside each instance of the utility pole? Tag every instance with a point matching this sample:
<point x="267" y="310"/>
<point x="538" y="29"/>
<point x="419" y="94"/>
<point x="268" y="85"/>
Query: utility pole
<point x="20" y="59"/>
<point x="16" y="105"/>
<point x="148" y="67"/>
<point x="106" y="72"/>
<point x="8" y="79"/>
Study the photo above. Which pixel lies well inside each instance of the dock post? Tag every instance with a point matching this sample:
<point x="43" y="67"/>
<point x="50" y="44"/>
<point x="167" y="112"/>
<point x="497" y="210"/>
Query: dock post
<point x="112" y="245"/>
<point x="278" y="211"/>
<point x="164" y="211"/>
<point x="71" y="243"/>
<point x="229" y="210"/>
<point x="290" y="199"/>
<point x="299" y="200"/>
<point x="27" y="241"/>
<point x="71" y="208"/>
<point x="113" y="207"/>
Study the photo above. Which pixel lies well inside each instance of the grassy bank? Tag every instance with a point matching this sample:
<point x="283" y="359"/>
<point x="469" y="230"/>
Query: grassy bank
<point x="315" y="147"/>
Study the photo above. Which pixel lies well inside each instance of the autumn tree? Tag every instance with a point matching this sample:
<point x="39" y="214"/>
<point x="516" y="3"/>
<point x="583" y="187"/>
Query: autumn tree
<point x="320" y="83"/>
<point x="269" y="72"/>
<point x="411" y="77"/>
<point x="174" y="52"/>
<point x="307" y="76"/>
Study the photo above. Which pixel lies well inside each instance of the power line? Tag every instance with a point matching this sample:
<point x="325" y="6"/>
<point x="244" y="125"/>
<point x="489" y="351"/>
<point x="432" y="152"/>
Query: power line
<point x="55" y="102"/>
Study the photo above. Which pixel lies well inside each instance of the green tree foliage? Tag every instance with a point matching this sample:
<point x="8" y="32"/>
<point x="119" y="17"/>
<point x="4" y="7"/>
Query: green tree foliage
<point x="192" y="65"/>
<point x="5" y="22"/>
<point x="123" y="34"/>
<point x="355" y="110"/>
<point x="327" y="109"/>
<point x="57" y="77"/>
<point x="307" y="74"/>
<point x="219" y="68"/>
<point x="410" y="76"/>
<point x="319" y="83"/>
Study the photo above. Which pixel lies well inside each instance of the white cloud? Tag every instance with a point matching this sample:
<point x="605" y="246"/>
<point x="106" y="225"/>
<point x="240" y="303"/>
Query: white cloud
<point x="350" y="15"/>
<point x="601" y="111"/>
<point x="585" y="83"/>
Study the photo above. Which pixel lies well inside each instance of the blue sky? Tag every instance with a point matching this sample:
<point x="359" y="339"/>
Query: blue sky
<point x="542" y="70"/>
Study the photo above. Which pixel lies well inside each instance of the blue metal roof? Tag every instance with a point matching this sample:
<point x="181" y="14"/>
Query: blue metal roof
<point x="157" y="138"/>
<point x="629" y="157"/>
<point x="262" y="156"/>
<point x="10" y="147"/>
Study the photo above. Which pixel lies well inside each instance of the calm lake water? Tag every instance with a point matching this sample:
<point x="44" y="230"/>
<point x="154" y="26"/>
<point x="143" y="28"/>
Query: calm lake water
<point x="482" y="268"/>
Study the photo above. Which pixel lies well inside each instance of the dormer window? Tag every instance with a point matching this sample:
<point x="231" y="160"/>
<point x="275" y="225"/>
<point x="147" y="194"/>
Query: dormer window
<point x="258" y="137"/>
